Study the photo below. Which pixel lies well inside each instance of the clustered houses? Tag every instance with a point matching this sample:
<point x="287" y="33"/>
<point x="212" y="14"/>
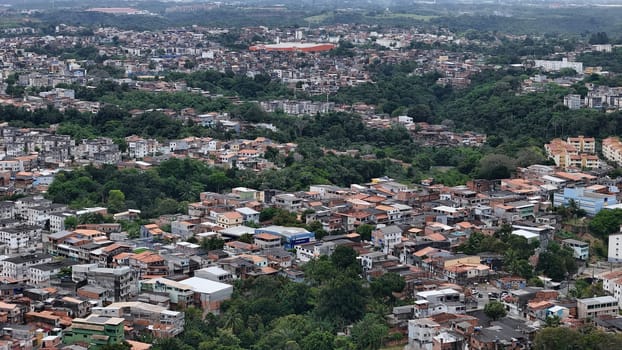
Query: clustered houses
<point x="93" y="280"/>
<point x="30" y="158"/>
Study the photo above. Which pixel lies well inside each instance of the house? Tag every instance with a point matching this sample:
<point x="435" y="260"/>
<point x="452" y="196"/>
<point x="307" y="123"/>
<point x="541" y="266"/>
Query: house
<point x="267" y="240"/>
<point x="386" y="238"/>
<point x="230" y="219"/>
<point x="95" y="331"/>
<point x="580" y="249"/>
<point x="248" y="215"/>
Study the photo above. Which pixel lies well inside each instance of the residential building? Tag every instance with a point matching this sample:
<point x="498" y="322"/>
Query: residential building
<point x="614" y="251"/>
<point x="386" y="238"/>
<point x="94" y="331"/>
<point x="248" y="215"/>
<point x="121" y="281"/>
<point x="555" y="66"/>
<point x="178" y="293"/>
<point x="597" y="306"/>
<point x="612" y="150"/>
<point x="230" y="219"/>
<point x="267" y="240"/>
<point x="572" y="101"/>
<point x="18" y="267"/>
<point x="209" y="294"/>
<point x="580" y="249"/>
<point x="142" y="317"/>
<point x="309" y="251"/>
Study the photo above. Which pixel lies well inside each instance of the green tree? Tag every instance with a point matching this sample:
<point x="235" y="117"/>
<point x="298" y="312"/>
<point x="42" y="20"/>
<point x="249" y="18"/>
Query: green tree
<point x="212" y="243"/>
<point x="344" y="258"/>
<point x="495" y="310"/>
<point x="606" y="222"/>
<point x="384" y="286"/>
<point x="341" y="301"/>
<point x="365" y="231"/>
<point x="370" y="332"/>
<point x="116" y="201"/>
<point x="71" y="223"/>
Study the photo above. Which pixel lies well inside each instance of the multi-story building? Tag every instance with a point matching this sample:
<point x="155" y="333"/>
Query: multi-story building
<point x="575" y="152"/>
<point x="40" y="275"/>
<point x="120" y="281"/>
<point x="586" y="199"/>
<point x="95" y="331"/>
<point x="160" y="321"/>
<point x="614" y="250"/>
<point x="230" y="219"/>
<point x="386" y="237"/>
<point x="21" y="238"/>
<point x="612" y="150"/>
<point x="179" y="294"/>
<point x="267" y="241"/>
<point x="572" y="101"/>
<point x="18" y="267"/>
<point x="309" y="251"/>
<point x="554" y="66"/>
<point x="580" y="249"/>
<point x="598" y="306"/>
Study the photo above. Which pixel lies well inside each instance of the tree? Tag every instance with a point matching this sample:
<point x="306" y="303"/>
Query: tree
<point x="318" y="340"/>
<point x="116" y="201"/>
<point x="71" y="223"/>
<point x="365" y="231"/>
<point x="369" y="333"/>
<point x="606" y="222"/>
<point x="212" y="243"/>
<point x="341" y="301"/>
<point x="495" y="310"/>
<point x="384" y="286"/>
<point x="344" y="258"/>
<point x="496" y="166"/>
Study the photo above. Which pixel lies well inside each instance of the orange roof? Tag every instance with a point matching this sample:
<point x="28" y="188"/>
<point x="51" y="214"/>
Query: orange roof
<point x="86" y="232"/>
<point x="437" y="237"/>
<point x="266" y="236"/>
<point x="425" y="251"/>
<point x="232" y="215"/>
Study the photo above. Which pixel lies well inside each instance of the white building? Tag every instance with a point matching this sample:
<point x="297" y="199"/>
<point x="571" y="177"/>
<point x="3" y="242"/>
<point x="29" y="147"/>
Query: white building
<point x="559" y="65"/>
<point x="614" y="253"/>
<point x="19" y="267"/>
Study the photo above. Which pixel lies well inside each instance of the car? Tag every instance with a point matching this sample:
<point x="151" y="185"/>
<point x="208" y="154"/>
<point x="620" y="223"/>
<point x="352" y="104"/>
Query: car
<point x="493" y="295"/>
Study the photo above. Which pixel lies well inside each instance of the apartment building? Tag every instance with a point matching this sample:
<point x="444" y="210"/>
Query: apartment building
<point x="612" y="150"/>
<point x="18" y="267"/>
<point x="120" y="281"/>
<point x="574" y="152"/>
<point x="614" y="251"/>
